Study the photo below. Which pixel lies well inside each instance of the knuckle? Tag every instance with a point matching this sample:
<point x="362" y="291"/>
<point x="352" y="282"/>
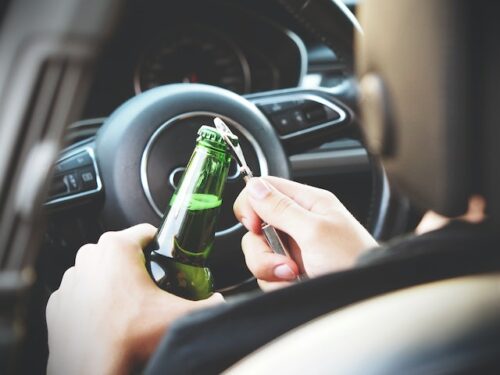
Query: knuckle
<point x="316" y="229"/>
<point x="245" y="241"/>
<point x="113" y="241"/>
<point x="327" y="195"/>
<point x="240" y="206"/>
<point x="49" y="308"/>
<point x="260" y="272"/>
<point x="147" y="227"/>
<point x="108" y="237"/>
<point x="68" y="274"/>
<point x="236" y="204"/>
<point x="87" y="248"/>
<point x="84" y="252"/>
<point x="251" y="257"/>
<point x="282" y="206"/>
<point x="52" y="299"/>
<point x="326" y="202"/>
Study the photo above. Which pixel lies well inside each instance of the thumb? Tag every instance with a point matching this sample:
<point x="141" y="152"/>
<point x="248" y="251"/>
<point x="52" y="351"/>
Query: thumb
<point x="275" y="208"/>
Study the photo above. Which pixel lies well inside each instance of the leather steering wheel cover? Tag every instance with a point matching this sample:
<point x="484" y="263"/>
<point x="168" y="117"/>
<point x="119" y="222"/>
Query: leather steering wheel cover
<point x="121" y="141"/>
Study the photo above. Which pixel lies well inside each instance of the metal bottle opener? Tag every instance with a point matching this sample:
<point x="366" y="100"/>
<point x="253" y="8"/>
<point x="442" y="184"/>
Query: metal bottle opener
<point x="270" y="233"/>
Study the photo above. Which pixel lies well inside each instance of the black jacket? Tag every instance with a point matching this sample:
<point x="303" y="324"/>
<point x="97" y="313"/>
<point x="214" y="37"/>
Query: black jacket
<point x="208" y="342"/>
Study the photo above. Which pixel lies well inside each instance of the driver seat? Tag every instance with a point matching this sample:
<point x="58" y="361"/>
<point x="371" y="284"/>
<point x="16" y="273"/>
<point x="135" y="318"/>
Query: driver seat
<point x="429" y="86"/>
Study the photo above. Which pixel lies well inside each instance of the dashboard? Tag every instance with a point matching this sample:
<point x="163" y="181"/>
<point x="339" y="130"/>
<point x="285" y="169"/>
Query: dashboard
<point x="197" y="54"/>
<point x="238" y="45"/>
<point x="201" y="53"/>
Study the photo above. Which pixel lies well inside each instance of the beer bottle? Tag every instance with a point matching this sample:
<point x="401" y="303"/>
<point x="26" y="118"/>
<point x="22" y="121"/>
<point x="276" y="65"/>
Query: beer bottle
<point x="176" y="258"/>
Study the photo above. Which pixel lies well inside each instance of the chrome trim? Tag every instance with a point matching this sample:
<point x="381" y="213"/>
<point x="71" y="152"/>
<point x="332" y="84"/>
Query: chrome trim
<point x="334" y="161"/>
<point x="338" y="89"/>
<point x="264" y="170"/>
<point x="295" y="38"/>
<point x="78" y="145"/>
<point x="171" y="177"/>
<point x="237" y="172"/>
<point x="264" y="95"/>
<point x="76" y="196"/>
<point x="350" y="16"/>
<point x="304" y="60"/>
<point x="303" y="96"/>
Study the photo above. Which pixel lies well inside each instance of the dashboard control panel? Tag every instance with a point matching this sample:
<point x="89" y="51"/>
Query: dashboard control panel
<point x="294" y="115"/>
<point x="75" y="176"/>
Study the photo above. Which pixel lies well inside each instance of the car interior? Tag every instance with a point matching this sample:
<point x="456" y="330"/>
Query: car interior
<point x="100" y="102"/>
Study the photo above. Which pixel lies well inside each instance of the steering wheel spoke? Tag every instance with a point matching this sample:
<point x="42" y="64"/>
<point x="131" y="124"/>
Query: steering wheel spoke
<point x="76" y="179"/>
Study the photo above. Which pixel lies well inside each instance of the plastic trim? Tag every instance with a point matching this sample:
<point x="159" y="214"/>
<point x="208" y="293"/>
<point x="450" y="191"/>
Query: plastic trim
<point x="305" y="96"/>
<point x="77" y="196"/>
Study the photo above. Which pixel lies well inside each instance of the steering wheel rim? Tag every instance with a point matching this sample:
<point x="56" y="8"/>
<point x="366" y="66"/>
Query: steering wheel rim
<point x="152" y="110"/>
<point x="140" y="130"/>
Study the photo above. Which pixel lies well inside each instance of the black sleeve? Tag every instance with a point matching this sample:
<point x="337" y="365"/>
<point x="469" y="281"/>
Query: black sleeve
<point x="210" y="341"/>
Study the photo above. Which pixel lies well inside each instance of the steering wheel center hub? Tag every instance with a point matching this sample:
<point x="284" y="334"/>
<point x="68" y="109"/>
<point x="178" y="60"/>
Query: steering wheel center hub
<point x="167" y="153"/>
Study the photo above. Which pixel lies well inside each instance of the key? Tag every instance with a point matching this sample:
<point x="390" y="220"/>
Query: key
<point x="270" y="233"/>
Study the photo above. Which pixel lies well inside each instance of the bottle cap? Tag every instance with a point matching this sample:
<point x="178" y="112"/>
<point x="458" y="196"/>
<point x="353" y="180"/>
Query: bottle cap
<point x="212" y="135"/>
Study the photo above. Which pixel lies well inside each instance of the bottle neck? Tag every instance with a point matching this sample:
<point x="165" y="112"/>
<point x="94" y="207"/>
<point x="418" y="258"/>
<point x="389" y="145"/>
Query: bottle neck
<point x="212" y="145"/>
<point x="188" y="228"/>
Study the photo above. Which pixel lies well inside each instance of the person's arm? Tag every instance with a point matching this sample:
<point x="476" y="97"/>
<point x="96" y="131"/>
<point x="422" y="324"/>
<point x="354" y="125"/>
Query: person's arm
<point x="322" y="235"/>
<point x="108" y="316"/>
<point x="433" y="221"/>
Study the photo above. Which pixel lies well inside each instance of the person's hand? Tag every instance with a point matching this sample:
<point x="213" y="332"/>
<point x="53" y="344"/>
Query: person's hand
<point x="108" y="315"/>
<point x="475" y="214"/>
<point x="322" y="235"/>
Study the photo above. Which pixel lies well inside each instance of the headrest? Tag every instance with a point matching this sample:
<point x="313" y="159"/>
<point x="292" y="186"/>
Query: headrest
<point x="429" y="81"/>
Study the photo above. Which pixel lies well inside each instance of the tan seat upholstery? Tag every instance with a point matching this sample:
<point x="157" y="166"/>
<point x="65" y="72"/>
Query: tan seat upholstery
<point x="419" y="326"/>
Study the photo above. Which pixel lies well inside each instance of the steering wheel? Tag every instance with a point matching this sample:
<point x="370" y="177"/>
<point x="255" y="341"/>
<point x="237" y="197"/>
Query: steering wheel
<point x="139" y="153"/>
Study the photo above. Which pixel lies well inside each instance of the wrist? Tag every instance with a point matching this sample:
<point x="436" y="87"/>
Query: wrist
<point x="154" y="316"/>
<point x="150" y="321"/>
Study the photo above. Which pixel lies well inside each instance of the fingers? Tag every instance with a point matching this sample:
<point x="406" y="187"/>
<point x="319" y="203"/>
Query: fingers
<point x="141" y="234"/>
<point x="84" y="254"/>
<point x="245" y="213"/>
<point x="312" y="199"/>
<point x="276" y="208"/>
<point x="136" y="237"/>
<point x="263" y="263"/>
<point x="51" y="307"/>
<point x="269" y="286"/>
<point x="68" y="276"/>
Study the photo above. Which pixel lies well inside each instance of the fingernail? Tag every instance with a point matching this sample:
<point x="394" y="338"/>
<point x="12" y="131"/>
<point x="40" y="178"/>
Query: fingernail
<point x="284" y="272"/>
<point x="257" y="188"/>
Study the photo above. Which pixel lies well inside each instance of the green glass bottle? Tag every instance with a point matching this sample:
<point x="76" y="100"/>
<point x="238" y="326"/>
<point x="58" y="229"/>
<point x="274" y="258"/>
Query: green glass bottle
<point x="176" y="258"/>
